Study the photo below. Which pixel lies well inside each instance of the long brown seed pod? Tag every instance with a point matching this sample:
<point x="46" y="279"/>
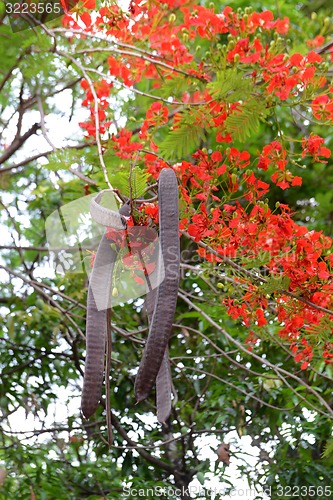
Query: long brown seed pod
<point x="163" y="380"/>
<point x="165" y="305"/>
<point x="164" y="389"/>
<point x="97" y="326"/>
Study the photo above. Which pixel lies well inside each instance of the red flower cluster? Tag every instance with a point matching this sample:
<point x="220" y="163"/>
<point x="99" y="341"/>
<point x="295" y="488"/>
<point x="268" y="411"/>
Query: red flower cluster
<point x="149" y="213"/>
<point x="123" y="147"/>
<point x="118" y="69"/>
<point x="137" y="247"/>
<point x="276" y="156"/>
<point x="322" y="107"/>
<point x="287" y="76"/>
<point x="156" y="115"/>
<point x="172" y="50"/>
<point x="313" y="146"/>
<point x="102" y="90"/>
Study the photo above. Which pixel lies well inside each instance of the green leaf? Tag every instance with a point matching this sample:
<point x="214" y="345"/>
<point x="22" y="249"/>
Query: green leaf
<point x="62" y="160"/>
<point x="127" y="464"/>
<point x="11" y="327"/>
<point x="230" y="86"/>
<point x="133" y="184"/>
<point x="261" y="259"/>
<point x="191" y="314"/>
<point x="328" y="449"/>
<point x="175" y="86"/>
<point x="245" y="120"/>
<point x="276" y="284"/>
<point x="182" y="141"/>
<point x="201" y="477"/>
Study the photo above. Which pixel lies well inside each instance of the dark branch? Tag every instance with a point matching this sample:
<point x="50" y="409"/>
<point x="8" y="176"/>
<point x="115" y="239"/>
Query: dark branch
<point x="18" y="142"/>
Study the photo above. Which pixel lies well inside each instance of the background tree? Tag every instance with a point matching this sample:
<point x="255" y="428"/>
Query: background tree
<point x="239" y="103"/>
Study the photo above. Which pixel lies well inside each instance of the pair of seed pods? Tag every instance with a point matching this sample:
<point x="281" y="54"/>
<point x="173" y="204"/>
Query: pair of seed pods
<point x="160" y="303"/>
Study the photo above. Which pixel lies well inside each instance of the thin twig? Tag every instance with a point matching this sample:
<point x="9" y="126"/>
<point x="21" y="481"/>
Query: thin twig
<point x="107" y="377"/>
<point x="46" y="296"/>
<point x="263" y="361"/>
<point x="256" y="277"/>
<point x="96" y="116"/>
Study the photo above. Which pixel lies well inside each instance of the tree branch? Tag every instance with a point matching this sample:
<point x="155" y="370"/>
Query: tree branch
<point x="275" y="368"/>
<point x="255" y="277"/>
<point x="18" y="142"/>
<point x="144" y="454"/>
<point x="46" y="154"/>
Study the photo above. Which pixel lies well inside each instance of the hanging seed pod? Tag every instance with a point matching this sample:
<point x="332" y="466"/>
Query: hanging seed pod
<point x="163" y="380"/>
<point x="99" y="307"/>
<point x="97" y="327"/>
<point x="167" y="292"/>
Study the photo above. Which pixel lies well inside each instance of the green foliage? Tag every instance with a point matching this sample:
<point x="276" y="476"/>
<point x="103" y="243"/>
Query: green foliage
<point x="62" y="160"/>
<point x="275" y="283"/>
<point x="231" y="86"/>
<point x="245" y="119"/>
<point x="328" y="451"/>
<point x="176" y="86"/>
<point x="131" y="185"/>
<point x="181" y="141"/>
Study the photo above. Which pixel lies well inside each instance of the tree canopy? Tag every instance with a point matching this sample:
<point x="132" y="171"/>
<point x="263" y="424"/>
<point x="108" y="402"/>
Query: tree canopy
<point x="238" y="101"/>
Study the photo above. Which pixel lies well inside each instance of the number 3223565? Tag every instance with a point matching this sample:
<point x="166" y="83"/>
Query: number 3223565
<point x="33" y="8"/>
<point x="310" y="491"/>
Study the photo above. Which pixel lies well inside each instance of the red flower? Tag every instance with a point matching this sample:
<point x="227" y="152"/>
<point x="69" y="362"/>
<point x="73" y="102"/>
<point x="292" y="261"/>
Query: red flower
<point x="316" y="42"/>
<point x="273" y="154"/>
<point x="261" y="317"/>
<point x="286" y="179"/>
<point x="89" y="4"/>
<point x="238" y="159"/>
<point x="248" y="52"/>
<point x="123" y="146"/>
<point x="120" y="70"/>
<point x="150" y="211"/>
<point x="313" y="146"/>
<point x="322" y="107"/>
